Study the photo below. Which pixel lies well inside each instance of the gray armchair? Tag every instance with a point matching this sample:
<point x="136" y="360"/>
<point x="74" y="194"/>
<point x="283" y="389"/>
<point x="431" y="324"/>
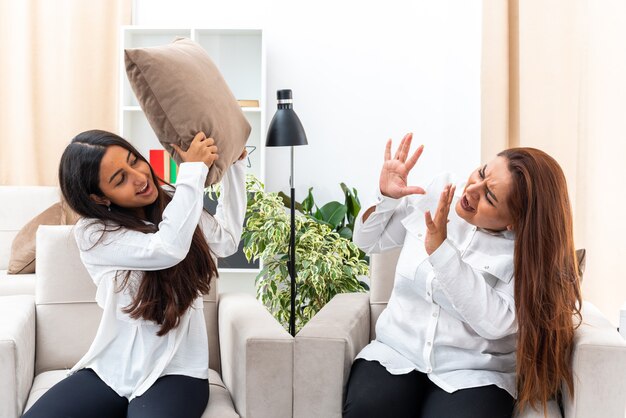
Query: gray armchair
<point x="327" y="345"/>
<point x="251" y="355"/>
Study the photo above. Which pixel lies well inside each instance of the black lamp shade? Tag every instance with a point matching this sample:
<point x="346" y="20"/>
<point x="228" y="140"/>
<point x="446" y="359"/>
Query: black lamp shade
<point x="285" y="129"/>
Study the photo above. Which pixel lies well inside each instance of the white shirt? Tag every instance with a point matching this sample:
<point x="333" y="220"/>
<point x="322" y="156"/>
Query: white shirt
<point x="451" y="315"/>
<point x="126" y="353"/>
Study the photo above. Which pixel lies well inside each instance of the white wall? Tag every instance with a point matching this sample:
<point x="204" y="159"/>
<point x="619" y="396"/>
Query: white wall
<point x="360" y="73"/>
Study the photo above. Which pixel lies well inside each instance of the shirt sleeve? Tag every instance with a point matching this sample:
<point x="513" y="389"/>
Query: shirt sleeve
<point x="382" y="230"/>
<point x="489" y="311"/>
<point x="223" y="231"/>
<point x="126" y="249"/>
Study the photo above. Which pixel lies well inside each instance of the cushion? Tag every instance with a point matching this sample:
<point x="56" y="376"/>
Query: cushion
<point x="182" y="92"/>
<point x="22" y="260"/>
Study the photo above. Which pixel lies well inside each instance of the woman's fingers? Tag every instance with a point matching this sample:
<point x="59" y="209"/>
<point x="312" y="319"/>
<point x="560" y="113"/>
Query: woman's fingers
<point x="406" y="146"/>
<point x="403" y="149"/>
<point x="416" y="155"/>
<point x="388" y="150"/>
<point x="451" y="196"/>
<point x="430" y="224"/>
<point x="178" y="149"/>
<point x="412" y="190"/>
<point x="443" y="208"/>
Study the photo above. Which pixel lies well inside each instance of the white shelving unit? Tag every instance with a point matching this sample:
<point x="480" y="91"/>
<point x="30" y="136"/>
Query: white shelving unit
<point x="240" y="56"/>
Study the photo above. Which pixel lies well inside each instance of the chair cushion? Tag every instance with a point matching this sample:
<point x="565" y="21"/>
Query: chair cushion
<point x="21" y="284"/>
<point x="220" y="402"/>
<point x="22" y="259"/>
<point x="19" y="205"/>
<point x="182" y="93"/>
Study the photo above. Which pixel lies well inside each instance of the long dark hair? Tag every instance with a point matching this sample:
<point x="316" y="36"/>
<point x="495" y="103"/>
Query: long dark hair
<point x="162" y="296"/>
<point x="547" y="287"/>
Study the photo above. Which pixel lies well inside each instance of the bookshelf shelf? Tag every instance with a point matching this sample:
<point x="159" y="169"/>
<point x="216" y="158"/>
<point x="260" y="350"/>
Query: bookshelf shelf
<point x="240" y="56"/>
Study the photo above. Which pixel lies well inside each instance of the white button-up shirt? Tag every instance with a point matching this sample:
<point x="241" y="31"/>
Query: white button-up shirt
<point x="126" y="353"/>
<point x="451" y="314"/>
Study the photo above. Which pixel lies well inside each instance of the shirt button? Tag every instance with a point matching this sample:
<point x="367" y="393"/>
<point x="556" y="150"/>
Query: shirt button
<point x="434" y="314"/>
<point x="429" y="343"/>
<point x="486" y="267"/>
<point x="428" y="293"/>
<point x="429" y="370"/>
<point x="419" y="234"/>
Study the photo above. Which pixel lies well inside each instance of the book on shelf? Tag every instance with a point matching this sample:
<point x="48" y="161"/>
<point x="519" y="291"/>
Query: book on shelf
<point x="248" y="103"/>
<point x="163" y="165"/>
<point x="173" y="170"/>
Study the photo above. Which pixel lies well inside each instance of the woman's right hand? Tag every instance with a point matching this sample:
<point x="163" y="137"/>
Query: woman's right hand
<point x="393" y="177"/>
<point x="201" y="149"/>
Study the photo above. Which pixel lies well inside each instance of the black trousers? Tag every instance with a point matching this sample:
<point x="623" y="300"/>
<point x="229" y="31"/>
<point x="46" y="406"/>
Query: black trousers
<point x="373" y="392"/>
<point x="85" y="395"/>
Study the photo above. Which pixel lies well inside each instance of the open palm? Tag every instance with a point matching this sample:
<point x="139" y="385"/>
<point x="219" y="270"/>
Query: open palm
<point x="395" y="171"/>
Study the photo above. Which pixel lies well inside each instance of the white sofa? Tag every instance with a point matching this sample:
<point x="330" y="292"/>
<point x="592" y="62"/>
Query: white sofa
<point x="327" y="345"/>
<point x="18" y="205"/>
<point x="251" y="354"/>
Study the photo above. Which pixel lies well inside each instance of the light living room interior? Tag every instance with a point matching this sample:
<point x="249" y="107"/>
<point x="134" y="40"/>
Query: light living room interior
<point x="468" y="79"/>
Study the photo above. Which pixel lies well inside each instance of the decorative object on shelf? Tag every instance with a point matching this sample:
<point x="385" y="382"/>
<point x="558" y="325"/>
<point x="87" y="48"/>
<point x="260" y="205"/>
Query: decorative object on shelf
<point x="182" y="92"/>
<point x="286" y="131"/>
<point x="250" y="149"/>
<point x="163" y="165"/>
<point x="248" y="103"/>
<point x="327" y="264"/>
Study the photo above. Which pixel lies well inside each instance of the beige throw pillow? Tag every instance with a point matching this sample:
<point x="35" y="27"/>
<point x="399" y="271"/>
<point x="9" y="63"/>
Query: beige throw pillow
<point x="182" y="93"/>
<point x="22" y="260"/>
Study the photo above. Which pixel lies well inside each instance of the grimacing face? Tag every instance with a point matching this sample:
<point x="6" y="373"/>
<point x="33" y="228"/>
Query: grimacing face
<point x="484" y="202"/>
<point x="125" y="180"/>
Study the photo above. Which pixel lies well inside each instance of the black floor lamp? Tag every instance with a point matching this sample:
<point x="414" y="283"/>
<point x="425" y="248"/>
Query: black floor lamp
<point x="286" y="131"/>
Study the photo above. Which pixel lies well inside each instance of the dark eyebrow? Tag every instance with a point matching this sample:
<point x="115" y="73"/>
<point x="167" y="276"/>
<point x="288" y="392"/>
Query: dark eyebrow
<point x="120" y="170"/>
<point x="489" y="192"/>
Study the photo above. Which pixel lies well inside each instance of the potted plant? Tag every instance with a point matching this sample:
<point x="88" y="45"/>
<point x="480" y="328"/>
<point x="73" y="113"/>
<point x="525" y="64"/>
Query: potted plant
<point x="327" y="261"/>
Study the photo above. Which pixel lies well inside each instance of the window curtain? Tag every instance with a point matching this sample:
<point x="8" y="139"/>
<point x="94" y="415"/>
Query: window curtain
<point x="59" y="71"/>
<point x="553" y="78"/>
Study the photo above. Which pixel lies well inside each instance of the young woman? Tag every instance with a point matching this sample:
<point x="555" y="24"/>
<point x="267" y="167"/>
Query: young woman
<point x="150" y="252"/>
<point x="460" y="337"/>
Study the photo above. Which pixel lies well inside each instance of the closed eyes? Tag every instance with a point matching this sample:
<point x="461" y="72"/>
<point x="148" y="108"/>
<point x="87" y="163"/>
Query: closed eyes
<point x="123" y="174"/>
<point x="481" y="173"/>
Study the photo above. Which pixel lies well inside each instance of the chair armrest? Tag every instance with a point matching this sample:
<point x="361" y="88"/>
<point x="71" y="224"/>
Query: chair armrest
<point x="325" y="349"/>
<point x="17" y="352"/>
<point x="256" y="358"/>
<point x="599" y="365"/>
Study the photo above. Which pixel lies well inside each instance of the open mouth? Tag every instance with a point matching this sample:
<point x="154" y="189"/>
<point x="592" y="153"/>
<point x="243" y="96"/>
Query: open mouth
<point x="466" y="206"/>
<point x="145" y="189"/>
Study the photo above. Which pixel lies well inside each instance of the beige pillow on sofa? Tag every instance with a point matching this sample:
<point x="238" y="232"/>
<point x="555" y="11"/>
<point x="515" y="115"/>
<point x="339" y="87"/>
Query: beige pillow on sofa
<point x="22" y="260"/>
<point x="182" y="93"/>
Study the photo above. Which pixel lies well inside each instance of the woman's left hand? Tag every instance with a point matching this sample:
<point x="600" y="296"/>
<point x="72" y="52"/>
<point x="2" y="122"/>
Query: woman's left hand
<point x="437" y="229"/>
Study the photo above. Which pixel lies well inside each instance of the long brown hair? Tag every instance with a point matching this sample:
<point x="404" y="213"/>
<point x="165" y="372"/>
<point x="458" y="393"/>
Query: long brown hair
<point x="547" y="288"/>
<point x="162" y="296"/>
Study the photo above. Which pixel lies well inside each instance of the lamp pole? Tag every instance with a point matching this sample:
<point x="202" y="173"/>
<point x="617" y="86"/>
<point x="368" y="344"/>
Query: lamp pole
<point x="292" y="252"/>
<point x="285" y="130"/>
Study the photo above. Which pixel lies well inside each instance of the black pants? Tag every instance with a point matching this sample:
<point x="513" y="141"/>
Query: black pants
<point x="373" y="392"/>
<point x="84" y="395"/>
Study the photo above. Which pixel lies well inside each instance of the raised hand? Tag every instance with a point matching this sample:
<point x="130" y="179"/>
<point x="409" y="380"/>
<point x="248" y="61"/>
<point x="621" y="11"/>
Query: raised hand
<point x="437" y="229"/>
<point x="201" y="149"/>
<point x="393" y="177"/>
